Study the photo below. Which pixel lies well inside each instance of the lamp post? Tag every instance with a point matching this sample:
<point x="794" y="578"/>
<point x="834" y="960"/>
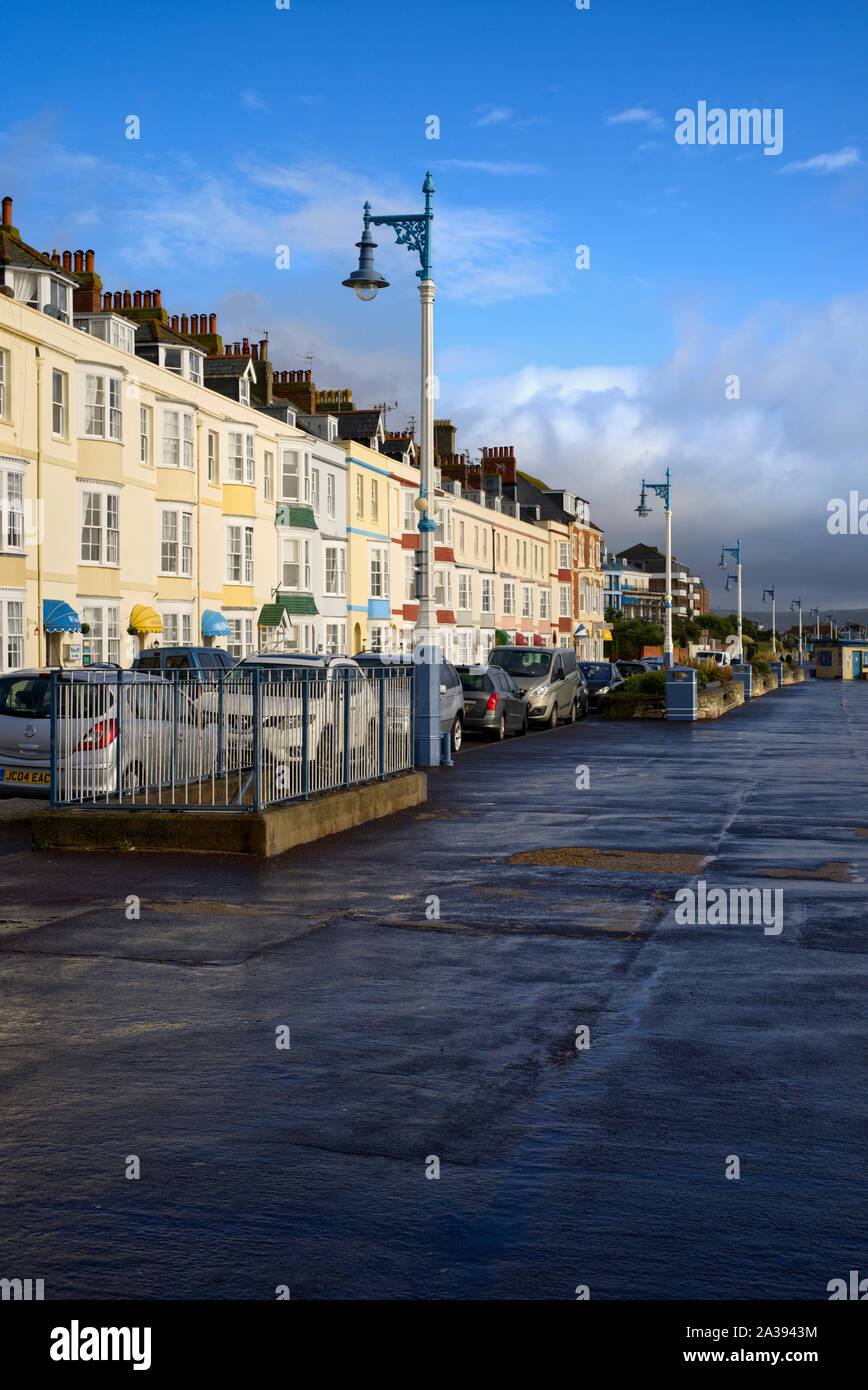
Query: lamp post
<point x="815" y="613"/>
<point x="770" y="594"/>
<point x="830" y="619"/>
<point x="797" y="603"/>
<point x="413" y="230"/>
<point x="735" y="552"/>
<point x="663" y="490"/>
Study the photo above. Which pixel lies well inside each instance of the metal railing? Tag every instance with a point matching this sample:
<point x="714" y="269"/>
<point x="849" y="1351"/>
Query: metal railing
<point x="245" y="738"/>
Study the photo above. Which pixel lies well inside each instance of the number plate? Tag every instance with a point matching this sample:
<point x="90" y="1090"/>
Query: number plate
<point x="8" y="775"/>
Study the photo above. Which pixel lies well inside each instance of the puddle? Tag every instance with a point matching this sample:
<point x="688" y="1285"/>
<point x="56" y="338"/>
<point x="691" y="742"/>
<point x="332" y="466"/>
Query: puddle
<point x="632" y="861"/>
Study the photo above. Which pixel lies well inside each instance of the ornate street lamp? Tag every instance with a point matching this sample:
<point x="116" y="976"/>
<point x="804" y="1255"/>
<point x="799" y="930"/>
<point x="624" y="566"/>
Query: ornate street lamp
<point x="735" y="552"/>
<point x="770" y="594"/>
<point x="663" y="490"/>
<point x="413" y="230"/>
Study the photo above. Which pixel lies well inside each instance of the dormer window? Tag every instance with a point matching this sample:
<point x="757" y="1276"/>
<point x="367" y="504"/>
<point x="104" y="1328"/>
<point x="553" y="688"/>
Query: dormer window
<point x="244" y="391"/>
<point x="182" y="362"/>
<point x="42" y="291"/>
<point x="109" y="328"/>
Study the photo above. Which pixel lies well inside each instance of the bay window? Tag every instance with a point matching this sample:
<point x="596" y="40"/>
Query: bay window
<point x="409" y="509"/>
<point x="11" y="509"/>
<point x="294" y="476"/>
<point x="11" y="633"/>
<point x="509" y="597"/>
<point x="177" y="439"/>
<point x="102" y="406"/>
<point x="240" y="457"/>
<point x="239" y="553"/>
<point x="564" y="611"/>
<point x="465" y="601"/>
<point x="527" y="601"/>
<point x="296" y="565"/>
<point x="487" y="601"/>
<point x="103" y="642"/>
<point x="176" y="541"/>
<point x="100" y="526"/>
<point x="545" y="604"/>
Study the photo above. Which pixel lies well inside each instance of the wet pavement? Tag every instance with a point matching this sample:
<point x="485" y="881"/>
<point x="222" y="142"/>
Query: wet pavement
<point x="414" y="1036"/>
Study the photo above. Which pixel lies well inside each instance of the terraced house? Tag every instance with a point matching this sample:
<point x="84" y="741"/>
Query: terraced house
<point x="153" y="488"/>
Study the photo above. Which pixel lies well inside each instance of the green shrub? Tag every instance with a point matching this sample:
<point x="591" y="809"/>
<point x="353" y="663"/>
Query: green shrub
<point x="760" y="666"/>
<point x="648" y="683"/>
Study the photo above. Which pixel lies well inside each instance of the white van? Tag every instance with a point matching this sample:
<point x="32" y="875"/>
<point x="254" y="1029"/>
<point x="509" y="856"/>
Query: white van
<point x="719" y="658"/>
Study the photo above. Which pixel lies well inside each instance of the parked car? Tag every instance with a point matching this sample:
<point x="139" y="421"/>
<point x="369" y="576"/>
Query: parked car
<point x="189" y="662"/>
<point x="719" y="658"/>
<point x="87" y="733"/>
<point x="451" y="690"/>
<point x="493" y="703"/>
<point x="652" y="663"/>
<point x="328" y="679"/>
<point x="550" y="679"/>
<point x="602" y="676"/>
<point x="632" y="668"/>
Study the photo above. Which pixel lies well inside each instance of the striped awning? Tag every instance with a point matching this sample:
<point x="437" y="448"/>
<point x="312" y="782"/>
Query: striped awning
<point x="57" y="616"/>
<point x="214" y="624"/>
<point x="144" y="619"/>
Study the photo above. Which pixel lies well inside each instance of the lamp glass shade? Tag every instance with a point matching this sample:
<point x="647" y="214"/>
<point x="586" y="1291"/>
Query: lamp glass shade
<point x="365" y="292"/>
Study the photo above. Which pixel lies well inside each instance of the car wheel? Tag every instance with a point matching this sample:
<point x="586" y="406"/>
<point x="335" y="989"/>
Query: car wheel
<point x="573" y="714"/>
<point x="522" y="729"/>
<point x="456" y="736"/>
<point x="133" y="777"/>
<point x="552" y="721"/>
<point x="500" y="731"/>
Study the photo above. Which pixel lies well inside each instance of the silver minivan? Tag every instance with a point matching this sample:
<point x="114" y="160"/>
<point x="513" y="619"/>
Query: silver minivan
<point x="554" y="687"/>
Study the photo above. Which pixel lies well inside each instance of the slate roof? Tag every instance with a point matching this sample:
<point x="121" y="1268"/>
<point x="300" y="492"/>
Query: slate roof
<point x="150" y="331"/>
<point x="15" y="252"/>
<point x="287" y="514"/>
<point x="357" y="424"/>
<point x="294" y="604"/>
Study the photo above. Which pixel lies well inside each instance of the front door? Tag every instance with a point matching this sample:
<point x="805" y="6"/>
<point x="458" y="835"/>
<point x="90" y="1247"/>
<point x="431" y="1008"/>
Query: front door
<point x="857" y="664"/>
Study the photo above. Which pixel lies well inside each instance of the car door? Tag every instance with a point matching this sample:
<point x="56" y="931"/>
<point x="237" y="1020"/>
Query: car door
<point x="513" y="698"/>
<point x="451" y="696"/>
<point x="557" y="682"/>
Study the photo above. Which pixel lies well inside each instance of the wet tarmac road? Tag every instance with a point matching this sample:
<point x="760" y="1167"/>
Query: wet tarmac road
<point x="413" y="1037"/>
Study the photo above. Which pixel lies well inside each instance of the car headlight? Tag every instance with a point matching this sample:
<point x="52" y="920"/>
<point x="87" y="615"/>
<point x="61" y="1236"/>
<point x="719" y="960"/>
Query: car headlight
<point x="537" y="690"/>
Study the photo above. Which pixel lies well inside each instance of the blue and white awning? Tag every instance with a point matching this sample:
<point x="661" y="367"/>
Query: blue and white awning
<point x="581" y="631"/>
<point x="214" y="624"/>
<point x="57" y="616"/>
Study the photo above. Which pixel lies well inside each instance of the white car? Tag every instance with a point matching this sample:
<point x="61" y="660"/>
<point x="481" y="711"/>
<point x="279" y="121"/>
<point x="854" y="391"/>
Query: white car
<point x="719" y="658"/>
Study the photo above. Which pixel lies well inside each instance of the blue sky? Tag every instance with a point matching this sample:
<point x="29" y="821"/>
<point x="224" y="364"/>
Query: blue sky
<point x="261" y="127"/>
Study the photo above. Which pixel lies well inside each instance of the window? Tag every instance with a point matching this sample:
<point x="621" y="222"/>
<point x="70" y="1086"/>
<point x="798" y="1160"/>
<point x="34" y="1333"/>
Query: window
<point x="508" y="597"/>
<point x="240" y="640"/>
<point x="213" y="457"/>
<point x="144" y="435"/>
<point x="443" y="588"/>
<point x="379" y="572"/>
<point x="564" y="600"/>
<point x="487" y="604"/>
<point x="103" y="642"/>
<point x="102" y="407"/>
<point x="25" y="285"/>
<point x="244" y="391"/>
<point x="335" y="569"/>
<point x="58" y="298"/>
<point x="335" y="638"/>
<point x="12" y="509"/>
<point x="563" y="555"/>
<point x="176" y="541"/>
<point x="4" y="373"/>
<point x="545" y="604"/>
<point x="409" y="519"/>
<point x="177" y="444"/>
<point x="526" y="601"/>
<point x="267" y="475"/>
<point x="461" y="537"/>
<point x="239" y="554"/>
<point x="330" y="495"/>
<point x="177" y="628"/>
<point x="314" y="489"/>
<point x="296" y="565"/>
<point x="11" y="634"/>
<point x="375" y="491"/>
<point x="464" y="592"/>
<point x="443" y="532"/>
<point x="194" y="371"/>
<point x="360" y="503"/>
<point x="59" y="381"/>
<point x="476" y="542"/>
<point x="100" y="531"/>
<point x="410" y="575"/>
<point x="240" y="457"/>
<point x="294" y="476"/>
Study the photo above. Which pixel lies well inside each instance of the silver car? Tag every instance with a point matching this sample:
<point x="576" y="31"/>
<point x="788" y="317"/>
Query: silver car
<point x="451" y="689"/>
<point x="153" y="735"/>
<point x="549" y="679"/>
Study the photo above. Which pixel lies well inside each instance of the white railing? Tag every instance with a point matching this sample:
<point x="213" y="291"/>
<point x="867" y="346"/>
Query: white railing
<point x="249" y="737"/>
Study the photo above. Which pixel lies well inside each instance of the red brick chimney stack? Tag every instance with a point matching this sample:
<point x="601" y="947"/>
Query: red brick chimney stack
<point x="7" y="211"/>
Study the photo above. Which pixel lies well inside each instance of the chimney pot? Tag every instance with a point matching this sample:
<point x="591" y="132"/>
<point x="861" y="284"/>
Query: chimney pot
<point x="107" y="300"/>
<point x="173" y="322"/>
<point x="55" y="257"/>
<point x="254" y="352"/>
<point x="183" y="323"/>
<point x="88" y="261"/>
<point x="307" y="376"/>
<point x="158" y="301"/>
<point x="128" y="303"/>
<point x="67" y="260"/>
<point x="246" y="347"/>
<point x="236" y="348"/>
<point x="194" y="323"/>
<point x="118" y="299"/>
<point x="212" y="323"/>
<point x="137" y="299"/>
<point x="147" y="299"/>
<point x="263" y="349"/>
<point x="7" y="211"/>
<point x="79" y="262"/>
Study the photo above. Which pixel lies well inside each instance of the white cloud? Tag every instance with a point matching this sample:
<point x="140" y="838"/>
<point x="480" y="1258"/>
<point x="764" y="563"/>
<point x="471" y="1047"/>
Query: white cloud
<point x="252" y="101"/>
<point x="847" y="158"/>
<point x="493" y="115"/>
<point x="637" y="115"/>
<point x="483" y="166"/>
<point x="763" y="466"/>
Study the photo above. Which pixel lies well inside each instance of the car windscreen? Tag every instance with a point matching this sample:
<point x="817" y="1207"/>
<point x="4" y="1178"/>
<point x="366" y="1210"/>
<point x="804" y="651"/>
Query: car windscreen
<point x="178" y="661"/>
<point x="147" y="662"/>
<point x="521" y="663"/>
<point x="476" y="681"/>
<point x="26" y="697"/>
<point x="596" y="672"/>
